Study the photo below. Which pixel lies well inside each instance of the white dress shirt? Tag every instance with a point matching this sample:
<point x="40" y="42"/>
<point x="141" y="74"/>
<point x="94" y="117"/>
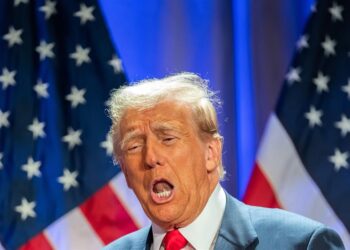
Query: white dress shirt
<point x="201" y="234"/>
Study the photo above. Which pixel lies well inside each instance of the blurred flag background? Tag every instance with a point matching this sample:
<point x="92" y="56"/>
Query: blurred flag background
<point x="59" y="60"/>
<point x="303" y="160"/>
<point x="59" y="187"/>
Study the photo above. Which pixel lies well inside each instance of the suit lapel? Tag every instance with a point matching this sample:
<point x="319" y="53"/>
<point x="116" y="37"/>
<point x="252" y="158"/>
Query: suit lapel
<point x="236" y="231"/>
<point x="149" y="240"/>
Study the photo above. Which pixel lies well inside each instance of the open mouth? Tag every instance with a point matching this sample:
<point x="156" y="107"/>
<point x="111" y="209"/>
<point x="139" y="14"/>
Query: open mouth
<point x="162" y="191"/>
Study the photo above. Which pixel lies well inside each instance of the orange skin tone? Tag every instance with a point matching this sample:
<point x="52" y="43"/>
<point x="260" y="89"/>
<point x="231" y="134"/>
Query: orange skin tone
<point x="165" y="143"/>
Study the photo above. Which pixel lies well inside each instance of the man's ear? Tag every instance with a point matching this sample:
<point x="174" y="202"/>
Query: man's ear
<point x="213" y="155"/>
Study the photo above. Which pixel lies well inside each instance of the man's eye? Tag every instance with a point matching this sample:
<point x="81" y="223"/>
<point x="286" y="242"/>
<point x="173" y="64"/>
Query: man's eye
<point x="133" y="148"/>
<point x="169" y="140"/>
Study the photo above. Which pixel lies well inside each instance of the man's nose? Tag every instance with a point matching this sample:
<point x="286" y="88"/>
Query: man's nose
<point x="153" y="155"/>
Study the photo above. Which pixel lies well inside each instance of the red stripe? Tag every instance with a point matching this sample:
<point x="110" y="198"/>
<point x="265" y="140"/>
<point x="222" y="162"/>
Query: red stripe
<point x="107" y="215"/>
<point x="37" y="242"/>
<point x="259" y="191"/>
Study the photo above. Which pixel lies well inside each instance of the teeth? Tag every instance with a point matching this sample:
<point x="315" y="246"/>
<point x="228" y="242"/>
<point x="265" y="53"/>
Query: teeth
<point x="164" y="194"/>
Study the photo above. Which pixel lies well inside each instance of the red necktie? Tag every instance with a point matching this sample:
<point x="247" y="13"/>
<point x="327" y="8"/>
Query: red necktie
<point x="174" y="240"/>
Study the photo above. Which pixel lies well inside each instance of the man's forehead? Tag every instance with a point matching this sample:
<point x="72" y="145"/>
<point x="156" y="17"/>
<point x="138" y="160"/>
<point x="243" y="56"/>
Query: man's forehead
<point x="157" y="125"/>
<point x="157" y="119"/>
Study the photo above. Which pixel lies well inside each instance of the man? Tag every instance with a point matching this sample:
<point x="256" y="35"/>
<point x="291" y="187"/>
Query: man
<point x="167" y="143"/>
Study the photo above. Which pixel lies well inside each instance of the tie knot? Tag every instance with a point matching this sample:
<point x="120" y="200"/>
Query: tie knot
<point x="174" y="240"/>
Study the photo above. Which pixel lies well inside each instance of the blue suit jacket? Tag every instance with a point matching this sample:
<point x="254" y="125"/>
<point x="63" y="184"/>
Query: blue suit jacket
<point x="248" y="227"/>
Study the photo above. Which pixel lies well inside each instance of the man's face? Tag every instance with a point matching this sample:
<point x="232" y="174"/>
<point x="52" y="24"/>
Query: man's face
<point x="171" y="169"/>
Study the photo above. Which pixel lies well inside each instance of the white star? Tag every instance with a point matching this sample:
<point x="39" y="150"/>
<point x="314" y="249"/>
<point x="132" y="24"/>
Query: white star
<point x="329" y="46"/>
<point x="76" y="96"/>
<point x="314" y="117"/>
<point x="346" y="88"/>
<point x="303" y="42"/>
<point x="4" y="116"/>
<point x="13" y="36"/>
<point x="45" y="50"/>
<point x="335" y="11"/>
<point x="1" y="165"/>
<point x="49" y="8"/>
<point x="26" y="209"/>
<point x="343" y="125"/>
<point x="116" y="63"/>
<point x="7" y="78"/>
<point x="32" y="168"/>
<point x="41" y="89"/>
<point x="85" y="13"/>
<point x="108" y="145"/>
<point x="37" y="128"/>
<point x="72" y="138"/>
<point x="293" y="75"/>
<point x="339" y="159"/>
<point x="18" y="2"/>
<point x="68" y="179"/>
<point x="321" y="82"/>
<point x="80" y="55"/>
<point x="313" y="8"/>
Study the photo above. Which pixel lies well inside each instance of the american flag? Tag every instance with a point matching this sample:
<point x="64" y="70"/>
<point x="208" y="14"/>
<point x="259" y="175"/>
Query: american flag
<point x="303" y="161"/>
<point x="59" y="188"/>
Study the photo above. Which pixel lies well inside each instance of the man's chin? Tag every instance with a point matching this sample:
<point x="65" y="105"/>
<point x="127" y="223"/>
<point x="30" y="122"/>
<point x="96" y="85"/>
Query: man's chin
<point x="166" y="217"/>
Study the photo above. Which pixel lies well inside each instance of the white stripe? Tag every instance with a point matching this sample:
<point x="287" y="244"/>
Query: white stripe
<point x="73" y="231"/>
<point x="1" y="247"/>
<point x="129" y="200"/>
<point x="293" y="186"/>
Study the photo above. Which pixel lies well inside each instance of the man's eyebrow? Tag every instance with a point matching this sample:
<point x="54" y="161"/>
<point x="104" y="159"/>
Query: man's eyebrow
<point x="165" y="126"/>
<point x="129" y="136"/>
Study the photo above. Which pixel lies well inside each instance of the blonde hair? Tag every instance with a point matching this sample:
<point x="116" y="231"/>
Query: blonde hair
<point x="187" y="88"/>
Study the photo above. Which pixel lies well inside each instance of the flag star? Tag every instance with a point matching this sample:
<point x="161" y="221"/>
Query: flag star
<point x="108" y="145"/>
<point x="303" y="42"/>
<point x="116" y="63"/>
<point x="76" y="96"/>
<point x="26" y="209"/>
<point x="49" y="8"/>
<point x="32" y="168"/>
<point x="7" y="78"/>
<point x="80" y="55"/>
<point x="18" y="2"/>
<point x="343" y="125"/>
<point x="339" y="159"/>
<point x="346" y="88"/>
<point x="329" y="46"/>
<point x="321" y="82"/>
<point x="68" y="179"/>
<point x="1" y="164"/>
<point x="72" y="138"/>
<point x="45" y="50"/>
<point x="293" y="75"/>
<point x="85" y="13"/>
<point x="336" y="11"/>
<point x="41" y="89"/>
<point x="313" y="8"/>
<point x="4" y="116"/>
<point x="314" y="117"/>
<point x="13" y="36"/>
<point x="37" y="128"/>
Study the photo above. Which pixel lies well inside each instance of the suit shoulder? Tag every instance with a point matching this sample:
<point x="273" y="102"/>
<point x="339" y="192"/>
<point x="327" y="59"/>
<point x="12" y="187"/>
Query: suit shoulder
<point x="280" y="219"/>
<point x="135" y="241"/>
<point x="293" y="228"/>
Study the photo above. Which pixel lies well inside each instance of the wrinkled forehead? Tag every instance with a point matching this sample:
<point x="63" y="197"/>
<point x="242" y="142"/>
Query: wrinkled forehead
<point x="163" y="116"/>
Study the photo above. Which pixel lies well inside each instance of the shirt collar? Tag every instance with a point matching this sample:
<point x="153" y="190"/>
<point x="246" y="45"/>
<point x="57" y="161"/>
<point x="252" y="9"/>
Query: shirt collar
<point x="203" y="230"/>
